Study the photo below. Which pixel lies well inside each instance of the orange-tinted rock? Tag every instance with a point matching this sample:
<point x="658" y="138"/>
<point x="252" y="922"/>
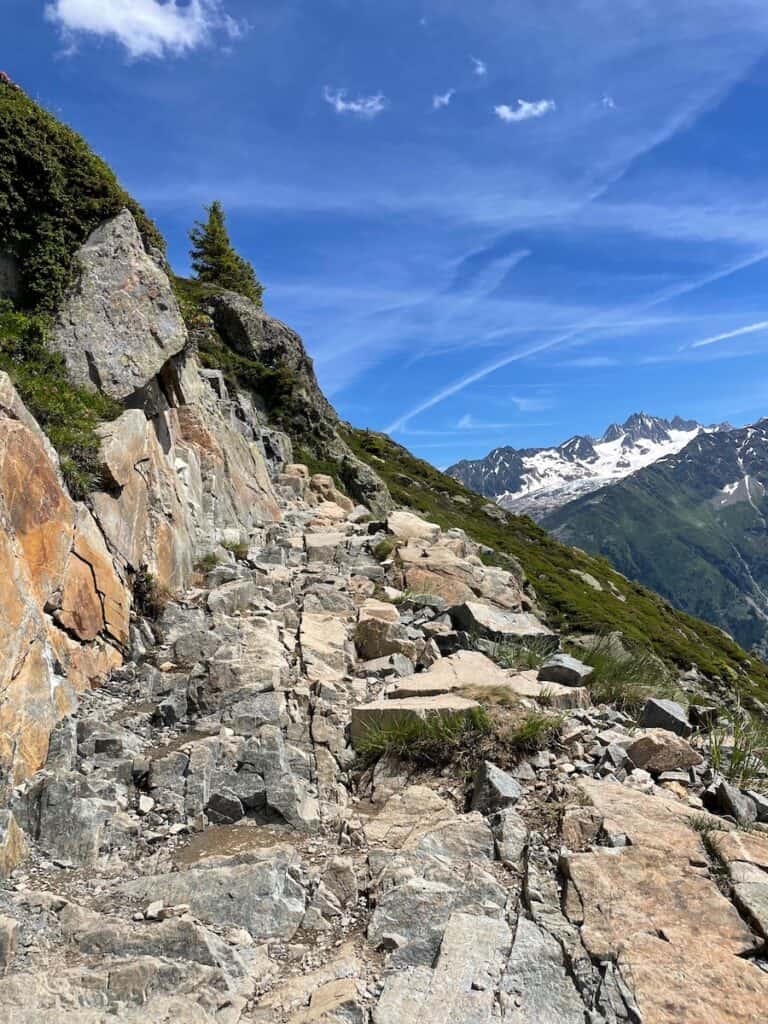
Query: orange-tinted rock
<point x="653" y="908"/>
<point x="56" y="580"/>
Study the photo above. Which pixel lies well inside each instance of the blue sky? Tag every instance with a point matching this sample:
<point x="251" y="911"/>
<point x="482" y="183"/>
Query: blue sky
<point x="492" y="222"/>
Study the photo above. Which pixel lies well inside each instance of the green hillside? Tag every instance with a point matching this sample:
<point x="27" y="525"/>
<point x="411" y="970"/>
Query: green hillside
<point x="692" y="527"/>
<point x="572" y="604"/>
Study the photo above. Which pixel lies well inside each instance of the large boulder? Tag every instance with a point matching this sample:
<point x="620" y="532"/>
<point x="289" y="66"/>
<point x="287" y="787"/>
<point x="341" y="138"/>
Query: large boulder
<point x="64" y="606"/>
<point x="502" y="626"/>
<point x="120" y="323"/>
<point x="261" y="894"/>
<point x="661" y="751"/>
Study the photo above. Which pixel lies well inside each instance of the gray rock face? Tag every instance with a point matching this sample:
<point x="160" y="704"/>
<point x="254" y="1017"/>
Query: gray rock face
<point x="461" y="987"/>
<point x="563" y="669"/>
<point x="262" y="896"/>
<point x="494" y="789"/>
<point x="665" y="714"/>
<point x="120" y="323"/>
<point x="537" y="988"/>
<point x="249" y="330"/>
<point x="501" y="626"/>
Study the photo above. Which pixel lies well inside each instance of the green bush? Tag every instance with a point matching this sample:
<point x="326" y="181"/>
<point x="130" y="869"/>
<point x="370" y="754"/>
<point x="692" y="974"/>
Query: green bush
<point x="149" y="598"/>
<point x="69" y="415"/>
<point x="53" y="192"/>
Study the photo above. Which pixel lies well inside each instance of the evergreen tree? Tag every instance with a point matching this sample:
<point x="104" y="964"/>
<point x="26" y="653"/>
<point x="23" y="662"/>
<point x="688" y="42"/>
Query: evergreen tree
<point x="215" y="261"/>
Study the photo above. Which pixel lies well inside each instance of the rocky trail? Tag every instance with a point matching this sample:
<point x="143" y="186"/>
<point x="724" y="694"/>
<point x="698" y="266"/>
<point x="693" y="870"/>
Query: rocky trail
<point x="204" y="844"/>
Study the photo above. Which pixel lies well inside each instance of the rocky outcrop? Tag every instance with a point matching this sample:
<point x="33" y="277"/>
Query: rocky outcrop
<point x="181" y="474"/>
<point x="310" y="418"/>
<point x="120" y="323"/>
<point x="180" y="483"/>
<point x="64" y="605"/>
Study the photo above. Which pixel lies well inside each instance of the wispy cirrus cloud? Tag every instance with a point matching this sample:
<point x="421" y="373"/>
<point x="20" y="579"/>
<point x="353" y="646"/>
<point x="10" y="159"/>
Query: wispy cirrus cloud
<point x="579" y="331"/>
<point x="524" y="111"/>
<point x="365" y="107"/>
<point x="440" y="100"/>
<point x="145" y="28"/>
<point x="761" y="325"/>
<point x="480" y="68"/>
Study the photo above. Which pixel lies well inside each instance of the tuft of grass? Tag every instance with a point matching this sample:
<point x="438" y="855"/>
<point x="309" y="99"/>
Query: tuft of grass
<point x="704" y="824"/>
<point x="521" y="657"/>
<point x="238" y="548"/>
<point x="207" y="563"/>
<point x="69" y="415"/>
<point x="384" y="548"/>
<point x="536" y="731"/>
<point x="624" y="680"/>
<point x="498" y="733"/>
<point x="431" y="742"/>
<point x="738" y="749"/>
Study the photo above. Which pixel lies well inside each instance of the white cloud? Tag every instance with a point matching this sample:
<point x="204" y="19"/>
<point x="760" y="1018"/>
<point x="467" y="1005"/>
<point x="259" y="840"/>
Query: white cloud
<point x="762" y="325"/>
<point x="524" y="111"/>
<point x="366" y="107"/>
<point x="146" y="28"/>
<point x="481" y="68"/>
<point x="440" y="100"/>
<point x="608" y="103"/>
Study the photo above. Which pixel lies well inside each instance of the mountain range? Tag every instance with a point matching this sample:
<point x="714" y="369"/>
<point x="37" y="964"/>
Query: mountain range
<point x="535" y="481"/>
<point x="692" y="526"/>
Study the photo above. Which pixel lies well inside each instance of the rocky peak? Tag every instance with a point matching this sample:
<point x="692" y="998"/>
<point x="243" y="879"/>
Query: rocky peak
<point x="578" y="449"/>
<point x="120" y="324"/>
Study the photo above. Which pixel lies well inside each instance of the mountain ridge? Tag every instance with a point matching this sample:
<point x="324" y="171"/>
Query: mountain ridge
<point x="534" y="481"/>
<point x="710" y="556"/>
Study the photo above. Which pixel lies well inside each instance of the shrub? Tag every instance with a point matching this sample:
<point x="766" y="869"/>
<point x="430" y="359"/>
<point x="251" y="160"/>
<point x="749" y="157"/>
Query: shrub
<point x="149" y="598"/>
<point x="384" y="548"/>
<point x="68" y="414"/>
<point x="207" y="563"/>
<point x="53" y="192"/>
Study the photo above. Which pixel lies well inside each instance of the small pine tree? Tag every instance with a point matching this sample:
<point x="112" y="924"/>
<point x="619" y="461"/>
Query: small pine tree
<point x="215" y="261"/>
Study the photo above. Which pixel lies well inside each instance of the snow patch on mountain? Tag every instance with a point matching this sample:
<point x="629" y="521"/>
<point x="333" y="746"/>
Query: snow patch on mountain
<point x="535" y="481"/>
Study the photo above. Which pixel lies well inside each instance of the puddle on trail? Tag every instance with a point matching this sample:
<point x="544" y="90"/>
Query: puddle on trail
<point x="229" y="840"/>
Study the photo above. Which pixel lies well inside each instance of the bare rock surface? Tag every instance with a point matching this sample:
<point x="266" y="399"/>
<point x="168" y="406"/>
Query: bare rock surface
<point x="120" y="323"/>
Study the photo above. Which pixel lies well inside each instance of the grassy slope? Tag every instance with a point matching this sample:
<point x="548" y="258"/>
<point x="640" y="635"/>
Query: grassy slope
<point x="658" y="526"/>
<point x="573" y="605"/>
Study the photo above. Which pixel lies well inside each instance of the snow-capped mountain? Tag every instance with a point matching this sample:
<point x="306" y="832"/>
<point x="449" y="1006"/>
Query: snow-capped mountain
<point x="534" y="481"/>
